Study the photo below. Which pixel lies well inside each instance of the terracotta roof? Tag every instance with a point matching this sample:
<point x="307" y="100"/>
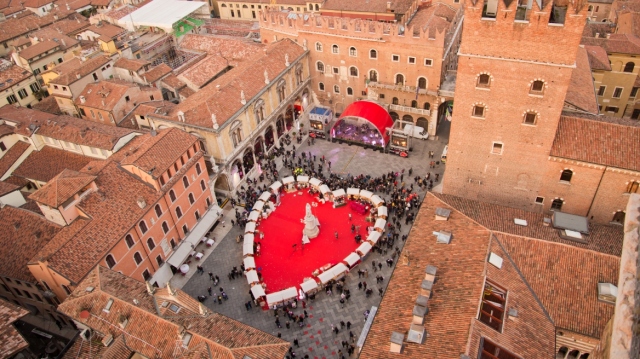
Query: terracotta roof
<point x="616" y="43"/>
<point x="12" y="341"/>
<point x="6" y="130"/>
<point x="104" y="95"/>
<point x="155" y="159"/>
<point x="173" y="81"/>
<point x="11" y="156"/>
<point x="224" y="102"/>
<point x="581" y="93"/>
<point x="61" y="188"/>
<point x="592" y="28"/>
<point x="601" y="238"/>
<point x="566" y="281"/>
<point x="153" y="334"/>
<point x="186" y="92"/>
<point x="12" y="76"/>
<point x="20" y="41"/>
<point x="628" y="23"/>
<point x="23" y="234"/>
<point x="436" y="17"/>
<point x="120" y="12"/>
<point x="52" y="34"/>
<point x="23" y="117"/>
<point x="36" y="3"/>
<point x="49" y="105"/>
<point x="47" y="163"/>
<point x="14" y="27"/>
<point x="69" y="70"/>
<point x="378" y="6"/>
<point x="598" y="58"/>
<point x="82" y="132"/>
<point x="6" y="187"/>
<point x="38" y="49"/>
<point x="157" y="73"/>
<point x="71" y="25"/>
<point x="202" y="72"/>
<point x="232" y="49"/>
<point x="130" y="64"/>
<point x="109" y="30"/>
<point x="18" y="181"/>
<point x="598" y="141"/>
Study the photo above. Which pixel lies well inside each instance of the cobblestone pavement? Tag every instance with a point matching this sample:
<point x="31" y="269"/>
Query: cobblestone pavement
<point x="316" y="338"/>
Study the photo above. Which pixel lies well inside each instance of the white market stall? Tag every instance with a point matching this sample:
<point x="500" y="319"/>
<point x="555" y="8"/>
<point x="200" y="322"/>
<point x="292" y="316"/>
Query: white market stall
<point x="326" y="192"/>
<point x="310" y="286"/>
<point x="258" y="294"/>
<point x="366" y="194"/>
<point x="254" y="216"/>
<point x="315" y="183"/>
<point x="247" y="249"/>
<point x="380" y="223"/>
<point x="353" y="193"/>
<point x="373" y="237"/>
<point x="258" y="206"/>
<point x="265" y="196"/>
<point x="303" y="181"/>
<point x="363" y="249"/>
<point x="289" y="183"/>
<point x="249" y="263"/>
<point x="376" y="200"/>
<point x="250" y="227"/>
<point x="352" y="259"/>
<point x="325" y="276"/>
<point x="275" y="186"/>
<point x="339" y="198"/>
<point x="289" y="293"/>
<point x="274" y="299"/>
<point x="252" y="277"/>
<point x="382" y="212"/>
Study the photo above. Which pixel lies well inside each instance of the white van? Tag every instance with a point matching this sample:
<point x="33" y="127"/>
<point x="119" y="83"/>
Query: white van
<point x="416" y="131"/>
<point x="443" y="158"/>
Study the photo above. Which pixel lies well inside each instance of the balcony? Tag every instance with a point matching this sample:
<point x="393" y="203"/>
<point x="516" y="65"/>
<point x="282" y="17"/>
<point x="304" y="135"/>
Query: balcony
<point x="398" y="87"/>
<point x="417" y="111"/>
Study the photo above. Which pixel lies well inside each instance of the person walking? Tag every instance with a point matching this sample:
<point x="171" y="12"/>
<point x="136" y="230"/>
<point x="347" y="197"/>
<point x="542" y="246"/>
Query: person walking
<point x="336" y="234"/>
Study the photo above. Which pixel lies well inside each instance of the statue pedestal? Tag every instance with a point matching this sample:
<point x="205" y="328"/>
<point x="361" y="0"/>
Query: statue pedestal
<point x="311" y="228"/>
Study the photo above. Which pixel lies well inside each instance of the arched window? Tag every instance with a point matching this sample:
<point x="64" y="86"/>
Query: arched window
<point x="281" y="90"/>
<point x="129" y="240"/>
<point x="335" y="49"/>
<point x="137" y="257"/>
<point x="172" y="195"/>
<point x="556" y="205"/>
<point x="198" y="169"/>
<point x="628" y="67"/>
<point x="191" y="199"/>
<point x="394" y="101"/>
<point x="321" y="86"/>
<point x="484" y="80"/>
<point x="353" y="52"/>
<point x="298" y="73"/>
<point x="426" y="106"/>
<point x="185" y="182"/>
<point x="422" y="83"/>
<point x="202" y="185"/>
<point x="373" y="54"/>
<point x="632" y="187"/>
<point x="151" y="244"/>
<point x="111" y="262"/>
<point x="414" y="104"/>
<point x="399" y="79"/>
<point x="158" y="210"/>
<point x="537" y="87"/>
<point x="373" y="76"/>
<point x="566" y="175"/>
<point x="143" y="227"/>
<point x="319" y="46"/>
<point x="336" y="88"/>
<point x="223" y="5"/>
<point x="178" y="212"/>
<point x="258" y="111"/>
<point x="349" y="91"/>
<point x="353" y="71"/>
<point x="165" y="227"/>
<point x="618" y="217"/>
<point x="236" y="133"/>
<point x="320" y="66"/>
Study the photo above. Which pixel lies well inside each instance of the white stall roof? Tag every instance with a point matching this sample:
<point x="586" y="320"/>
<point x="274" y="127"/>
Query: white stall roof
<point x="351" y="259"/>
<point x="324" y="189"/>
<point x="249" y="262"/>
<point x="276" y="185"/>
<point x="309" y="285"/>
<point x="353" y="191"/>
<point x="303" y="179"/>
<point x="326" y="276"/>
<point x="248" y="238"/>
<point x="288" y="180"/>
<point x="339" y="192"/>
<point x="258" y="206"/>
<point x="254" y="215"/>
<point x="289" y="293"/>
<point x="257" y="291"/>
<point x="247" y="248"/>
<point x="274" y="298"/>
<point x="162" y="13"/>
<point x="374" y="236"/>
<point x="264" y="196"/>
<point x="250" y="227"/>
<point x="382" y="211"/>
<point x="380" y="223"/>
<point x="252" y="276"/>
<point x="315" y="182"/>
<point x="364" y="248"/>
<point x="366" y="194"/>
<point x="376" y="200"/>
<point x="339" y="269"/>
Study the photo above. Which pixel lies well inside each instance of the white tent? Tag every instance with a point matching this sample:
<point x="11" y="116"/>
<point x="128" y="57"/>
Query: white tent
<point x="353" y="191"/>
<point x="254" y="215"/>
<point x="382" y="211"/>
<point x="257" y="291"/>
<point x="264" y="196"/>
<point x="287" y="180"/>
<point x="351" y="259"/>
<point x="250" y="227"/>
<point x="374" y="236"/>
<point x="309" y="285"/>
<point x="325" y="276"/>
<point x="248" y="238"/>
<point x="315" y="182"/>
<point x="366" y="194"/>
<point x="303" y="179"/>
<point x="376" y="200"/>
<point x="258" y="206"/>
<point x="380" y="223"/>
<point x="324" y="189"/>
<point x="252" y="276"/>
<point x="276" y="186"/>
<point x="247" y="249"/>
<point x="338" y="193"/>
<point x="289" y="293"/>
<point x="364" y="249"/>
<point x="249" y="263"/>
<point x="274" y="298"/>
<point x="338" y="269"/>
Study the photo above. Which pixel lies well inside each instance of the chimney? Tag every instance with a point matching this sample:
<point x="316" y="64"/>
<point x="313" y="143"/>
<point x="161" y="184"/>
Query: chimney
<point x="416" y="334"/>
<point x="442" y="214"/>
<point x="55" y="17"/>
<point x="150" y="289"/>
<point x="388" y="5"/>
<point x="597" y="35"/>
<point x="426" y="287"/>
<point x="68" y="7"/>
<point x="123" y="321"/>
<point x="286" y="60"/>
<point x="430" y="273"/>
<point x="418" y="314"/>
<point x="242" y="99"/>
<point x="608" y="36"/>
<point x="266" y="77"/>
<point x="141" y="202"/>
<point x="396" y="342"/>
<point x="83" y="99"/>
<point x="78" y="76"/>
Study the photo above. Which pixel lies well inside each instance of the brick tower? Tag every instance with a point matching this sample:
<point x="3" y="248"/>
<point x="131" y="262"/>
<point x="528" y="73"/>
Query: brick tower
<point x="515" y="65"/>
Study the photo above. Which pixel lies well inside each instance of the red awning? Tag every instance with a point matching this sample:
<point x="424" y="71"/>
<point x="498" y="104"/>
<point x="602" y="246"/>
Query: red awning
<point x="372" y="112"/>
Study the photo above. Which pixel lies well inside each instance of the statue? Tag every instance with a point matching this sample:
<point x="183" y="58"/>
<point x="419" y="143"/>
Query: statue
<point x="311" y="229"/>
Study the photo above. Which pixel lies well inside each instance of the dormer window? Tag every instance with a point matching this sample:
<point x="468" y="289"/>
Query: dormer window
<point x="492" y="309"/>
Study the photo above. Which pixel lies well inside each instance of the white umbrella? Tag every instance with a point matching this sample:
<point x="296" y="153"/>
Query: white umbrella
<point x="184" y="268"/>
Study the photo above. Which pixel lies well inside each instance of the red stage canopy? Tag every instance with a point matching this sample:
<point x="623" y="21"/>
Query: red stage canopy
<point x="372" y="112"/>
